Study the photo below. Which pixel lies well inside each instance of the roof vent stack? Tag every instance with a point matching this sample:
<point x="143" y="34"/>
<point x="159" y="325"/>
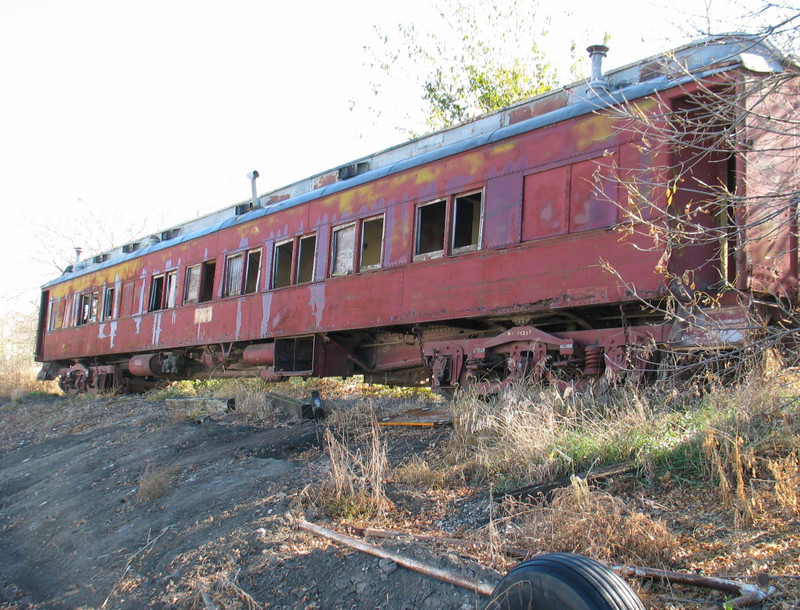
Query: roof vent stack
<point x="252" y="176"/>
<point x="597" y="52"/>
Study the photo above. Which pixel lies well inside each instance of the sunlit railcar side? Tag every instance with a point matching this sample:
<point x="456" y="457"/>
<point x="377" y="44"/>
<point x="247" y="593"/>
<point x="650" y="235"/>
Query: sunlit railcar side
<point x="479" y="255"/>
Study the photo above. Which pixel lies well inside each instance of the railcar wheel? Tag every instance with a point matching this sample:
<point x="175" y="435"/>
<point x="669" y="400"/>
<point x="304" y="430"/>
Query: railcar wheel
<point x="563" y="581"/>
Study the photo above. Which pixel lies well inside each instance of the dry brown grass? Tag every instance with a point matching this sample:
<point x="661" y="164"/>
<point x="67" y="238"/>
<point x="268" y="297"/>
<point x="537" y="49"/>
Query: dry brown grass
<point x="418" y="473"/>
<point x="220" y="589"/>
<point x="18" y="378"/>
<point x="787" y="482"/>
<point x="534" y="434"/>
<point x="155" y="483"/>
<point x="590" y="522"/>
<point x="734" y="465"/>
<point x="355" y="486"/>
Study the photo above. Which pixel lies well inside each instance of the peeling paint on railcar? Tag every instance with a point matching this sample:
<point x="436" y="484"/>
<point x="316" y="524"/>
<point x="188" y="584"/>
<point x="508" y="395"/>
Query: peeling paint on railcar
<point x="238" y="330"/>
<point x="266" y="308"/>
<point x="317" y="301"/>
<point x="156" y="336"/>
<point x="112" y="332"/>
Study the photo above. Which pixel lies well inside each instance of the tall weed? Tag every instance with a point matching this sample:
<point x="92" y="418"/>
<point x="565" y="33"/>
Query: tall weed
<point x="355" y="486"/>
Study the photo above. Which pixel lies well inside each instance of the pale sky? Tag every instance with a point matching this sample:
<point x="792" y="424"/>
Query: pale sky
<point x="146" y="113"/>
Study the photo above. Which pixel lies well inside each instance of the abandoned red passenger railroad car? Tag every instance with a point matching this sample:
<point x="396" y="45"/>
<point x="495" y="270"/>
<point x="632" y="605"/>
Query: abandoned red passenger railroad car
<point x="497" y="250"/>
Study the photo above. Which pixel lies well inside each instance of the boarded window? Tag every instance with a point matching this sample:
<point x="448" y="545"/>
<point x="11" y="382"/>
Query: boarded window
<point x="305" y="259"/>
<point x="233" y="275"/>
<point x="343" y="250"/>
<point x="430" y="229"/>
<point x="467" y="221"/>
<point x="372" y="243"/>
<point x="282" y="266"/>
<point x="253" y="271"/>
<point x="192" y="292"/>
<point x="126" y="299"/>
<point x="207" y="281"/>
<point x="108" y="304"/>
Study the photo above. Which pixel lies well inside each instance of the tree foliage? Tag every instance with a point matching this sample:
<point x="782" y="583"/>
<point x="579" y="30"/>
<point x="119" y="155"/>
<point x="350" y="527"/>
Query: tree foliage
<point x="475" y="58"/>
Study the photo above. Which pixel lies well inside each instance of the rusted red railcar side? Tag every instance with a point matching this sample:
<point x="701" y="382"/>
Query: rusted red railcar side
<point x="479" y="255"/>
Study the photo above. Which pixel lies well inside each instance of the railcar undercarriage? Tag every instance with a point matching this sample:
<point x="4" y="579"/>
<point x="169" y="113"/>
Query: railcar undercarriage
<point x="483" y="354"/>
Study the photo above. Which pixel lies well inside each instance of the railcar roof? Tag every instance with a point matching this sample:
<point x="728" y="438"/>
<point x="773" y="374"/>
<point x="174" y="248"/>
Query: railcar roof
<point x="699" y="59"/>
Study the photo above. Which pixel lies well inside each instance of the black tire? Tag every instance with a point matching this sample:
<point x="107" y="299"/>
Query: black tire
<point x="563" y="581"/>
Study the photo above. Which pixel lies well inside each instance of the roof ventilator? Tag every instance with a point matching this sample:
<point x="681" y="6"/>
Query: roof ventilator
<point x="356" y="169"/>
<point x="597" y="81"/>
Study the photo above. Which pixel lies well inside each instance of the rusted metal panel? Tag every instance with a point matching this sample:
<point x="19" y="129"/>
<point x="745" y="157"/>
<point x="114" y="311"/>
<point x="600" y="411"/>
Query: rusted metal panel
<point x="592" y="206"/>
<point x="502" y="211"/>
<point x="398" y="229"/>
<point x="546" y="203"/>
<point x="641" y="173"/>
<point x="772" y="209"/>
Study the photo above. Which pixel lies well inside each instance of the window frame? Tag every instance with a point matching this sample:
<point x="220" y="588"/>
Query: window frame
<point x="156" y="300"/>
<point x="418" y="225"/>
<point x="187" y="293"/>
<point x="87" y="303"/>
<point x="170" y="289"/>
<point x="362" y="243"/>
<point x="276" y="261"/>
<point x="206" y="292"/>
<point x="233" y="286"/>
<point x="247" y="286"/>
<point x="300" y="258"/>
<point x="334" y="254"/>
<point x="472" y="247"/>
<point x="52" y="315"/>
<point x="107" y="312"/>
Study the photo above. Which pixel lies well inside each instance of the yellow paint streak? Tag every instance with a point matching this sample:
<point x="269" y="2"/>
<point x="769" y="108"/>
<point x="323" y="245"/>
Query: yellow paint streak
<point x="248" y="230"/>
<point x="425" y="175"/>
<point x="127" y="271"/>
<point x="502" y="149"/>
<point x="592" y="130"/>
<point x="346" y="200"/>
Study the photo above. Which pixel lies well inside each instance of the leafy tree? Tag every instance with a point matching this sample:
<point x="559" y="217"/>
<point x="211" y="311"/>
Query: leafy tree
<point x="476" y="58"/>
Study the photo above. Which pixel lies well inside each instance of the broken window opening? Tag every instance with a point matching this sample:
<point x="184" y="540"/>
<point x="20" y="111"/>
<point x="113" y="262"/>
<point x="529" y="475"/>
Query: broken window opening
<point x="430" y="229"/>
<point x="253" y="271"/>
<point x="233" y="275"/>
<point x="467" y="222"/>
<point x="282" y="267"/>
<point x="343" y="250"/>
<point x="156" y="293"/>
<point x="207" y="281"/>
<point x="192" y="292"/>
<point x="372" y="243"/>
<point x="306" y="258"/>
<point x="88" y="308"/>
<point x="108" y="304"/>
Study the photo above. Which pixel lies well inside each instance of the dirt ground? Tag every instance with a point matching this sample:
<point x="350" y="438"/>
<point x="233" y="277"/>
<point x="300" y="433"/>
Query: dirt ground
<point x="128" y="503"/>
